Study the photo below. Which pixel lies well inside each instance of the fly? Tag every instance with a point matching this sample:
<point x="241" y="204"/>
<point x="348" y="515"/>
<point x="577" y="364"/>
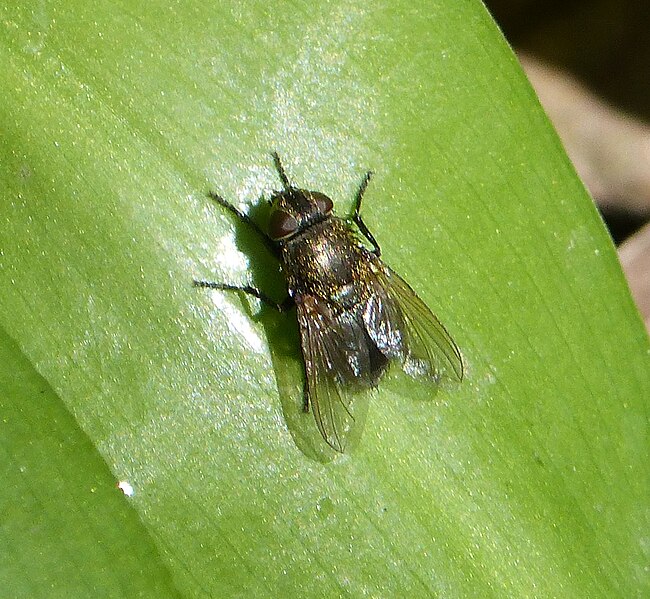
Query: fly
<point x="355" y="315"/>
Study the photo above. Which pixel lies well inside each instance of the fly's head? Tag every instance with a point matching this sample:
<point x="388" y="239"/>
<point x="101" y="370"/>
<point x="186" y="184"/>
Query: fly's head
<point x="294" y="210"/>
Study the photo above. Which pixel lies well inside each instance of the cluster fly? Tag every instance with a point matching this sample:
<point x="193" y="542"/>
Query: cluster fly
<point x="355" y="315"/>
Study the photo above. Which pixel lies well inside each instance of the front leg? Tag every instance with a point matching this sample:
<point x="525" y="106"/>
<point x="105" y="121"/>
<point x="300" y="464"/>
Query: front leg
<point x="270" y="244"/>
<point x="356" y="217"/>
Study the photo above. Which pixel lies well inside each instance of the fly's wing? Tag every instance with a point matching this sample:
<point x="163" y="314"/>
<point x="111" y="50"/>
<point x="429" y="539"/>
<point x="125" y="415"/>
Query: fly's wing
<point x="336" y="354"/>
<point x="402" y="325"/>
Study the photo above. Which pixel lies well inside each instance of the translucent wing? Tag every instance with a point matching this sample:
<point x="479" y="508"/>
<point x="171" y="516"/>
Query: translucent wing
<point x="340" y="359"/>
<point x="402" y="326"/>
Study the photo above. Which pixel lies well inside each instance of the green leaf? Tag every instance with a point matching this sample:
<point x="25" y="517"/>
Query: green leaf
<point x="66" y="529"/>
<point x="528" y="479"/>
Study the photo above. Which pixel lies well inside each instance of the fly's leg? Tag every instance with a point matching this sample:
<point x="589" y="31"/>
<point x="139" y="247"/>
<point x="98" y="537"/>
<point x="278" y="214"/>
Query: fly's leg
<point x="270" y="244"/>
<point x="282" y="306"/>
<point x="356" y="217"/>
<point x="281" y="172"/>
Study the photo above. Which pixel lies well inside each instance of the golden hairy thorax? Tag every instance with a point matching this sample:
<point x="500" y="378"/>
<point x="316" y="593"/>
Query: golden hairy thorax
<point x="328" y="260"/>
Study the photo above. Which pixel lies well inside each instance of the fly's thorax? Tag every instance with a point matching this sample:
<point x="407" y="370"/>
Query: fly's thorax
<point x="328" y="260"/>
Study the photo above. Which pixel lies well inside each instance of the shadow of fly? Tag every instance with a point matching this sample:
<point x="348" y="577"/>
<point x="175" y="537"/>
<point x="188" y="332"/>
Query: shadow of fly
<point x="355" y="314"/>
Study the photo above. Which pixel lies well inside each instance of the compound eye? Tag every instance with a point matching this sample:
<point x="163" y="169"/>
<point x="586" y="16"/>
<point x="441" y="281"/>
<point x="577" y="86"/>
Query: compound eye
<point x="323" y="203"/>
<point x="282" y="225"/>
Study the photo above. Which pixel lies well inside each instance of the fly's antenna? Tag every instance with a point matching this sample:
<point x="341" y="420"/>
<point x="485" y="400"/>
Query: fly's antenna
<point x="280" y="169"/>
